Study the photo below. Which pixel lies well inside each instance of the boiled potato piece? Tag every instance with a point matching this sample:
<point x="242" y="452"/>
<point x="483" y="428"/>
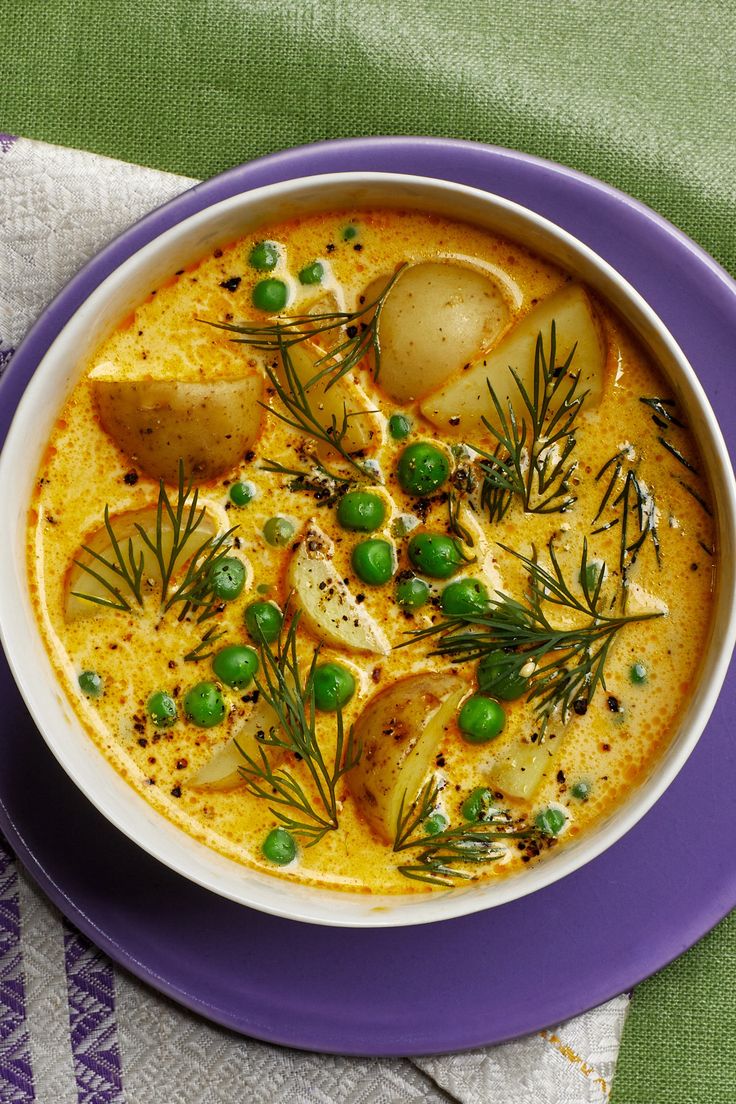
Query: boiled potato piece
<point x="210" y="426"/>
<point x="124" y="526"/>
<point x="400" y="731"/>
<point x="364" y="426"/>
<point x="520" y="770"/>
<point x="458" y="407"/>
<point x="221" y="771"/>
<point x="434" y="319"/>
<point x="327" y="605"/>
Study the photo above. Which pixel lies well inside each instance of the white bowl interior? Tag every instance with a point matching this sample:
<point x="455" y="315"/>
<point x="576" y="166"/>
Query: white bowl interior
<point x="64" y="362"/>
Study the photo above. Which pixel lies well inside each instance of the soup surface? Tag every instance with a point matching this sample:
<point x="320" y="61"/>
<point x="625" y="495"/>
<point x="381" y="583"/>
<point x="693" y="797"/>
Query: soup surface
<point x="421" y="625"/>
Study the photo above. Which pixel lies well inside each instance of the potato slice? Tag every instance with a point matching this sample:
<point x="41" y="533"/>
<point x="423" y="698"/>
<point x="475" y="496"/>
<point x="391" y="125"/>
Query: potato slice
<point x="458" y="407"/>
<point x="519" y="772"/>
<point x="210" y="426"/>
<point x="400" y="731"/>
<point x="327" y="605"/>
<point x="221" y="771"/>
<point x="364" y="432"/>
<point x="434" y="319"/>
<point x="124" y="526"/>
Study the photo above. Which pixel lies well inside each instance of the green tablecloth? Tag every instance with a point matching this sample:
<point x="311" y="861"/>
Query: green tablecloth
<point x="638" y="95"/>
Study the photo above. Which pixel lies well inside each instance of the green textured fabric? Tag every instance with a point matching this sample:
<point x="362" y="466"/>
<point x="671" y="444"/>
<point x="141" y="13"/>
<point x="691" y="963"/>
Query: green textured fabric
<point x="679" y="1042"/>
<point x="640" y="95"/>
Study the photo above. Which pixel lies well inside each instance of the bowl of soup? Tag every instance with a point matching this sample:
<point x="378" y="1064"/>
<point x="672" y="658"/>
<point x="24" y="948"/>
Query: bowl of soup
<point x="371" y="550"/>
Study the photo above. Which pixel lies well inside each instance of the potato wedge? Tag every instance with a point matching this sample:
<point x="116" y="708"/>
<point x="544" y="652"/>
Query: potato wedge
<point x="327" y="605"/>
<point x="364" y="432"/>
<point x="221" y="771"/>
<point x="210" y="426"/>
<point x="436" y="316"/>
<point x="458" y="407"/>
<point x="400" y="730"/>
<point x="519" y="771"/>
<point x="79" y="582"/>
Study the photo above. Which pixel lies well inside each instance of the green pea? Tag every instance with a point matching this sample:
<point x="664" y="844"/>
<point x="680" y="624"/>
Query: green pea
<point x="435" y="555"/>
<point x="263" y="621"/>
<point x="478" y="805"/>
<point x="264" y="256"/>
<point x="90" y="683"/>
<point x="581" y="790"/>
<point x="235" y="665"/>
<point x="399" y="426"/>
<point x="270" y="295"/>
<point x="227" y="578"/>
<point x="496" y="676"/>
<point x="349" y="233"/>
<point x="373" y="561"/>
<point x="638" y="673"/>
<point x="550" y="821"/>
<point x="435" y="823"/>
<point x="361" y="511"/>
<point x="481" y="719"/>
<point x="161" y="709"/>
<point x="334" y="686"/>
<point x="312" y="273"/>
<point x="411" y="592"/>
<point x="464" y="596"/>
<point x="422" y="468"/>
<point x="242" y="493"/>
<point x="278" y="531"/>
<point x="279" y="847"/>
<point x="203" y="705"/>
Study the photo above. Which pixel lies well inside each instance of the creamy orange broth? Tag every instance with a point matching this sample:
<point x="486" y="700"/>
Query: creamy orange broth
<point x="139" y="652"/>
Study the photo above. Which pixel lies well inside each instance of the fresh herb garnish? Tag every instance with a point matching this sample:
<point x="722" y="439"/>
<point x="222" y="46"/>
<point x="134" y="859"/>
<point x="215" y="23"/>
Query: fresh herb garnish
<point x="361" y="335"/>
<point x="292" y="698"/>
<point x="204" y="649"/>
<point x="440" y="855"/>
<point x="176" y="524"/>
<point x="663" y="409"/>
<point x="326" y="486"/>
<point x="678" y="455"/>
<point x="532" y="458"/>
<point x="301" y="415"/>
<point x="636" y="514"/>
<point x="561" y="665"/>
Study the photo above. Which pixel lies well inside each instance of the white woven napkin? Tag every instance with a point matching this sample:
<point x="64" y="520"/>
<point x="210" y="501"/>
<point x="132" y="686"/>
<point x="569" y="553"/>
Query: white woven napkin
<point x="73" y="1027"/>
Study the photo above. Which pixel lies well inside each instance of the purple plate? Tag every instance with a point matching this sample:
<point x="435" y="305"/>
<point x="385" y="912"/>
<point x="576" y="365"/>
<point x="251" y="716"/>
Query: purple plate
<point x="462" y="983"/>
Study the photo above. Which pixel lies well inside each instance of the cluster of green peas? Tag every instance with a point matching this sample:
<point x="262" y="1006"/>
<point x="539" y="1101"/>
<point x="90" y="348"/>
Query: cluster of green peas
<point x="271" y="294"/>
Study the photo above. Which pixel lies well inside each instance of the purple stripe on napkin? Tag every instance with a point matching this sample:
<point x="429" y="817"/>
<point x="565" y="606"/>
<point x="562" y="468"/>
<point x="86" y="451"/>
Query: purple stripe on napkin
<point x="6" y="141"/>
<point x="16" y="1074"/>
<point x="94" y="1037"/>
<point x="5" y="355"/>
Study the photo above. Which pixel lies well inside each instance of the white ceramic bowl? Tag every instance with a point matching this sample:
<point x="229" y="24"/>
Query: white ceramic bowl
<point x="124" y="290"/>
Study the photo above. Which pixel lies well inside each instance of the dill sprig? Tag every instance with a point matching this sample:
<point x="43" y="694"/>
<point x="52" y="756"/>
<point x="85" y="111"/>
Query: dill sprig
<point x="636" y="514"/>
<point x="440" y="855"/>
<point x="663" y="411"/>
<point x="560" y="665"/>
<point x="204" y="649"/>
<point x="167" y="545"/>
<point x="291" y="696"/>
<point x="300" y="414"/>
<point x="361" y="335"/>
<point x="126" y="569"/>
<point x="532" y="457"/>
<point x="326" y="486"/>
